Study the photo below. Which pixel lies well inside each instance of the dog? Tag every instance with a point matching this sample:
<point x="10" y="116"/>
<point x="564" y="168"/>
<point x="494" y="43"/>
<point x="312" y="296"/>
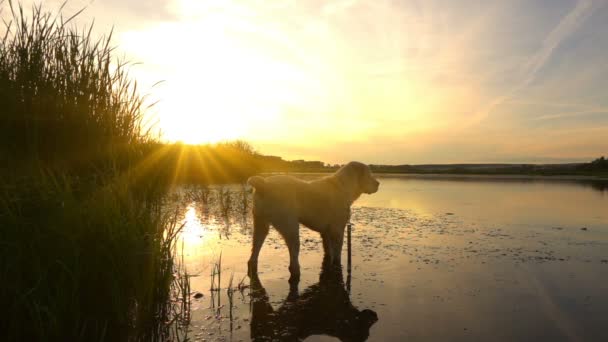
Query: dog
<point x="322" y="205"/>
<point x="323" y="308"/>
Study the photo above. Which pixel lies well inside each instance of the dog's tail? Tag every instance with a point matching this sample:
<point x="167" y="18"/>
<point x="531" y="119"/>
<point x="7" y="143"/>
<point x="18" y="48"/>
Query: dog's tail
<point x="258" y="183"/>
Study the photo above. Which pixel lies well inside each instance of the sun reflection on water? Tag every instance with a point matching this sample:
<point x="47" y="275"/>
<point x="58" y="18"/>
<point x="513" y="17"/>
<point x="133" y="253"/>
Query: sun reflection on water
<point x="193" y="231"/>
<point x="196" y="236"/>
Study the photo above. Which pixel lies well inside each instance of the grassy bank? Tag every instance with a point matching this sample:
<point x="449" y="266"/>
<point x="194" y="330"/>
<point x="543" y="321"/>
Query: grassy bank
<point x="85" y="264"/>
<point x="86" y="251"/>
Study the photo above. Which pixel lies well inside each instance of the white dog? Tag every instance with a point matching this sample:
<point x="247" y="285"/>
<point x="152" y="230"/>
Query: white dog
<point x="322" y="205"/>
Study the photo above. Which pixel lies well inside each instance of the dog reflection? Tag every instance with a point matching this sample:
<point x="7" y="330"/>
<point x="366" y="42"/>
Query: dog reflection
<point x="321" y="309"/>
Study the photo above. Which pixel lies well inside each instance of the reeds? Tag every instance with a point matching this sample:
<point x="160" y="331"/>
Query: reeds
<point x="216" y="275"/>
<point x="231" y="289"/>
<point x="86" y="253"/>
<point x="88" y="266"/>
<point x="230" y="293"/>
<point x="225" y="201"/>
<point x="199" y="193"/>
<point x="63" y="96"/>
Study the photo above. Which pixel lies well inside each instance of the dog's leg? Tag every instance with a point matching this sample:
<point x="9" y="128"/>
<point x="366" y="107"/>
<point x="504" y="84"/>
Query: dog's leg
<point x="260" y="231"/>
<point x="327" y="249"/>
<point x="291" y="234"/>
<point x="337" y="239"/>
<point x="294" y="263"/>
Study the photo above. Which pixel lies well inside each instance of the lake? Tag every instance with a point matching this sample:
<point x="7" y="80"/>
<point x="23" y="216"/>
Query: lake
<point x="437" y="258"/>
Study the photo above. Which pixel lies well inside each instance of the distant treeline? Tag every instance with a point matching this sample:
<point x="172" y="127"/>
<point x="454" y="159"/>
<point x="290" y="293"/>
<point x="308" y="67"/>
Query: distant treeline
<point x="477" y="169"/>
<point x="270" y="164"/>
<point x="596" y="167"/>
<point x="600" y="164"/>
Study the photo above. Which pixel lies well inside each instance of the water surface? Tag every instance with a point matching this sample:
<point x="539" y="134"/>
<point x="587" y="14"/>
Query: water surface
<point x="433" y="258"/>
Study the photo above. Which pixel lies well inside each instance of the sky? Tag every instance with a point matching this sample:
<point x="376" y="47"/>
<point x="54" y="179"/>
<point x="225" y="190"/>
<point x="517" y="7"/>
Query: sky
<point x="383" y="82"/>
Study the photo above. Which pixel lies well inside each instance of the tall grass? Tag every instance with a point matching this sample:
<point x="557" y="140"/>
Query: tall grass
<point x="63" y="96"/>
<point x="86" y="251"/>
<point x="94" y="267"/>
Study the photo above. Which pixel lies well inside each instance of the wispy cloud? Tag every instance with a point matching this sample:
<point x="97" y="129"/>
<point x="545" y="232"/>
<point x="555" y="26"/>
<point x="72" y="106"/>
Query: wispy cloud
<point x="566" y="26"/>
<point x="382" y="81"/>
<point x="570" y="114"/>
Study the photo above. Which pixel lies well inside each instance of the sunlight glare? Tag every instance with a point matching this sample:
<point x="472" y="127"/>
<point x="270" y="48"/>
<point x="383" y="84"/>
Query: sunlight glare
<point x="226" y="74"/>
<point x="193" y="232"/>
<point x="196" y="239"/>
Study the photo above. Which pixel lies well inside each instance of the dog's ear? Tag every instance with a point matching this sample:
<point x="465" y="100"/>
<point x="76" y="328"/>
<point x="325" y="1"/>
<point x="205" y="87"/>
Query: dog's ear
<point x="363" y="170"/>
<point x="360" y="170"/>
<point x="352" y="174"/>
<point x="355" y="173"/>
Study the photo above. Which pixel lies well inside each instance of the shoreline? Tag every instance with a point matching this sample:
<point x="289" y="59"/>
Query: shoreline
<point x="461" y="175"/>
<point x="498" y="176"/>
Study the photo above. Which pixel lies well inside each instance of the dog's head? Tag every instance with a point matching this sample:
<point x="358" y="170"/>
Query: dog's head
<point x="359" y="176"/>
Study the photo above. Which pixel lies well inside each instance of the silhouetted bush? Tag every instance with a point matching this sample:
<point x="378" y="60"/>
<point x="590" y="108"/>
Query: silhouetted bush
<point x="599" y="164"/>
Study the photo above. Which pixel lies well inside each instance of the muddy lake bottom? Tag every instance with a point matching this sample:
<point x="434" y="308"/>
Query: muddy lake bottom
<point x="432" y="259"/>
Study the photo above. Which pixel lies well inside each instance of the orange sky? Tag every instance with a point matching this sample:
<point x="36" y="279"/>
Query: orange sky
<point x="376" y="81"/>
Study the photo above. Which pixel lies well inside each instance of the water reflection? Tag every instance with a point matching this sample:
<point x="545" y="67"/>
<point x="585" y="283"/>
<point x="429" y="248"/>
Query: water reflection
<point x="226" y="205"/>
<point x="599" y="186"/>
<point x="539" y="202"/>
<point x="462" y="253"/>
<point x="324" y="308"/>
<point x="208" y="214"/>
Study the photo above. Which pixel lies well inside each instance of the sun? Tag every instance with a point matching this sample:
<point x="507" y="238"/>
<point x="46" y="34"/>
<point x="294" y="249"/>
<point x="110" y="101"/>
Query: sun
<point x="224" y="77"/>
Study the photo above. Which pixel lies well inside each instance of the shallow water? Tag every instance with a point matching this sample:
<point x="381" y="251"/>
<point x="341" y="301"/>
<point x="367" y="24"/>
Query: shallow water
<point x="433" y="258"/>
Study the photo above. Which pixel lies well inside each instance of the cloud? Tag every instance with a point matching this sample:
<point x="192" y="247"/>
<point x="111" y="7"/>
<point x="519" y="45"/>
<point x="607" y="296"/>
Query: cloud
<point x="565" y="27"/>
<point x="381" y="81"/>
<point x="571" y="114"/>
